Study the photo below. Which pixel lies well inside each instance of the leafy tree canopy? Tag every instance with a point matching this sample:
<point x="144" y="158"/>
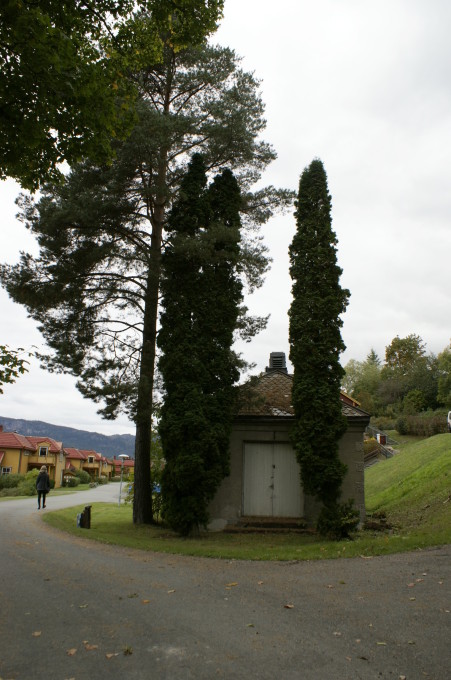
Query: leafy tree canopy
<point x="63" y="88"/>
<point x="11" y="365"/>
<point x="404" y="353"/>
<point x="444" y="380"/>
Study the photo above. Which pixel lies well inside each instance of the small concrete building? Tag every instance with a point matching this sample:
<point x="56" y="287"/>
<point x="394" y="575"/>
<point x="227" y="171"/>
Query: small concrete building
<point x="264" y="481"/>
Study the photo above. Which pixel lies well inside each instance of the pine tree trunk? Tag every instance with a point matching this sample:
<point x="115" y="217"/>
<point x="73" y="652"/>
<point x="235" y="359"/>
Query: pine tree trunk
<point x="142" y="505"/>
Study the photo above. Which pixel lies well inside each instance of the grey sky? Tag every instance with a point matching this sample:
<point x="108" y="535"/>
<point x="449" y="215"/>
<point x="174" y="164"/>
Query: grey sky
<point x="365" y="87"/>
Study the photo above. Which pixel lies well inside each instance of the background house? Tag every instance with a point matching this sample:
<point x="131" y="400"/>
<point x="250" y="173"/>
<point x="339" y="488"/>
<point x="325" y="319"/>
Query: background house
<point x="264" y="480"/>
<point x="19" y="454"/>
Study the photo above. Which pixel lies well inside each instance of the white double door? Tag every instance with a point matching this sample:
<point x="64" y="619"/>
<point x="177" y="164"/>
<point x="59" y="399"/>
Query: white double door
<point x="272" y="485"/>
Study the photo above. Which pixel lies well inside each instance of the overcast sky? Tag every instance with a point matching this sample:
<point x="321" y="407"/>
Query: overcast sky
<point x="365" y="87"/>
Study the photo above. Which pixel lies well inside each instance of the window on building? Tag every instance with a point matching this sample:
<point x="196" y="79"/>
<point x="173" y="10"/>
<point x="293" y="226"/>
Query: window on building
<point x="43" y="450"/>
<point x="90" y="459"/>
<point x="6" y="470"/>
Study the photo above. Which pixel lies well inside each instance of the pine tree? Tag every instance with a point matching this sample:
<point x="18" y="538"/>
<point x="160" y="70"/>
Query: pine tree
<point x="201" y="296"/>
<point x="94" y="287"/>
<point x="316" y="342"/>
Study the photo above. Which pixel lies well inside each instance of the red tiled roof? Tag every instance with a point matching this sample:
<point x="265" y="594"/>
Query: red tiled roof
<point x="12" y="440"/>
<point x="74" y="453"/>
<point x="87" y="453"/>
<point x="54" y="446"/>
<point x="117" y="462"/>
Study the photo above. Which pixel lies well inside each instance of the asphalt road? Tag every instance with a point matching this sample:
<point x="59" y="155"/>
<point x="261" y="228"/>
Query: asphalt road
<point x="74" y="609"/>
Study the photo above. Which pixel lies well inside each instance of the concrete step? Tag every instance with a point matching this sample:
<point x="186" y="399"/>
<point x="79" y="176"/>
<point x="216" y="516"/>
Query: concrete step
<point x="269" y="525"/>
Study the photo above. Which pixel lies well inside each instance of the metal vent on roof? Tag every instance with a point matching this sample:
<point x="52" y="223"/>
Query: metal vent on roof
<point x="277" y="362"/>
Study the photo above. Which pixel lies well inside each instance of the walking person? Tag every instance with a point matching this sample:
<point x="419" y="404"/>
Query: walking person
<point x="42" y="485"/>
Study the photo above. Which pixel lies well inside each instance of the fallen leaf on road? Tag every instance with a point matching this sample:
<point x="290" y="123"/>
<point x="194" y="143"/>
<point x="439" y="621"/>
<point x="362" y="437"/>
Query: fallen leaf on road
<point x="250" y="625"/>
<point x="348" y="658"/>
<point x="412" y="599"/>
<point x="337" y="634"/>
<point x="382" y="644"/>
<point x="83" y="606"/>
<point x="71" y="652"/>
<point x="419" y="580"/>
<point x="358" y="640"/>
<point x="366" y="557"/>
<point x="259" y="583"/>
<point x="37" y="633"/>
<point x="145" y="601"/>
<point x="171" y="591"/>
<point x="411" y="642"/>
<point x="411" y="585"/>
<point x="111" y="654"/>
<point x="89" y="647"/>
<point x="329" y="586"/>
<point x="231" y="585"/>
<point x="289" y="606"/>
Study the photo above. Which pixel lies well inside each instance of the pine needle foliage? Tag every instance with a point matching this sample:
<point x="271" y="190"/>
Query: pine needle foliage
<point x="316" y="343"/>
<point x="201" y="297"/>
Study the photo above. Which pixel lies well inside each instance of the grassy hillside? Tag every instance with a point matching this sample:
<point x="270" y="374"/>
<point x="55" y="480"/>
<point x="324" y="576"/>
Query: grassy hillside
<point x="414" y="487"/>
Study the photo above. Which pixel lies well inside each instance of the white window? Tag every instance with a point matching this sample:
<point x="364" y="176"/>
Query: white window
<point x="6" y="470"/>
<point x="43" y="450"/>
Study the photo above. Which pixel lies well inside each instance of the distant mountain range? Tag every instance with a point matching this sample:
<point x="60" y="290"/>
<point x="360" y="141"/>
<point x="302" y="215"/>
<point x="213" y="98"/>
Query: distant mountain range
<point x="108" y="445"/>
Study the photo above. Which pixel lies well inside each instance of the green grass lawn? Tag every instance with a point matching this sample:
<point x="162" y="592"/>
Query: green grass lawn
<point x="412" y="488"/>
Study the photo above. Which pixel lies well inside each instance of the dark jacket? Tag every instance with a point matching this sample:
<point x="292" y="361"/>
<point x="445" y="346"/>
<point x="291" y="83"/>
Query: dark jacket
<point x="43" y="482"/>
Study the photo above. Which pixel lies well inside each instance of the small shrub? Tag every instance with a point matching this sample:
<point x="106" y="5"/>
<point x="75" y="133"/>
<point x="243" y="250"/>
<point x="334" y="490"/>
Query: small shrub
<point x="102" y="479"/>
<point x="402" y="425"/>
<point x="83" y="476"/>
<point x="70" y="481"/>
<point x="370" y="445"/>
<point x="338" y="521"/>
<point x="383" y="423"/>
<point x="11" y="491"/>
<point x="10" y="481"/>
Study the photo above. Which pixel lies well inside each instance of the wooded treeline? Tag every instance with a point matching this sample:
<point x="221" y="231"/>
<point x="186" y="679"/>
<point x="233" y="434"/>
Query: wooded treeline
<point x="406" y="382"/>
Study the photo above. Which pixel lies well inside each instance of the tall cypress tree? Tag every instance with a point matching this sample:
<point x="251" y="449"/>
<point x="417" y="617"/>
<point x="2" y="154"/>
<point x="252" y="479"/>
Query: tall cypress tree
<point x="201" y="296"/>
<point x="316" y="342"/>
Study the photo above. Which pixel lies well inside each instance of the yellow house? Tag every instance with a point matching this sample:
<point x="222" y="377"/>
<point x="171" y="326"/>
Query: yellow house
<point x="14" y="452"/>
<point x="75" y="459"/>
<point x="19" y="454"/>
<point x="106" y="467"/>
<point x="92" y="462"/>
<point x="50" y="453"/>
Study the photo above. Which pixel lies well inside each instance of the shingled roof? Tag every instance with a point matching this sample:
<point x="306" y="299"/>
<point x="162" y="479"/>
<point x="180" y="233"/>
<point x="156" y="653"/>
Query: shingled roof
<point x="270" y="395"/>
